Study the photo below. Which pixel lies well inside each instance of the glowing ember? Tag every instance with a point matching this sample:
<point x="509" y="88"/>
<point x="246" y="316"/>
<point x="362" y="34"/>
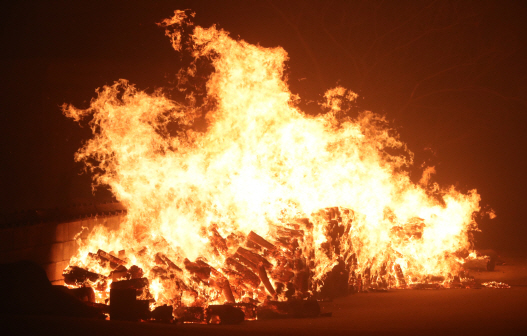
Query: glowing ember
<point x="267" y="201"/>
<point x="495" y="284"/>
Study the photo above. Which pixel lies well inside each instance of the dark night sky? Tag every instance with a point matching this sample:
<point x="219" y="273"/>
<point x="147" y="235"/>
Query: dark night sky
<point x="451" y="76"/>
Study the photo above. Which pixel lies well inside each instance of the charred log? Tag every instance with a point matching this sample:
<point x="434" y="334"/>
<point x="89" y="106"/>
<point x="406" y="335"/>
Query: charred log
<point x="125" y="306"/>
<point x="75" y="275"/>
<point x="85" y="294"/>
<point x="224" y="314"/>
<point x="248" y="309"/>
<point x="162" y="314"/>
<point x="191" y="314"/>
<point x="130" y="284"/>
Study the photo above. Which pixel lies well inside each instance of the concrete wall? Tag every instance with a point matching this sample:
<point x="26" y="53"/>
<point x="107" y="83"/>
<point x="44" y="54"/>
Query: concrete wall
<point x="50" y="244"/>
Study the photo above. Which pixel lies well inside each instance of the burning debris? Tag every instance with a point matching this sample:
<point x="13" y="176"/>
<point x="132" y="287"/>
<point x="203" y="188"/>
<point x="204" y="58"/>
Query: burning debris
<point x="495" y="284"/>
<point x="268" y="209"/>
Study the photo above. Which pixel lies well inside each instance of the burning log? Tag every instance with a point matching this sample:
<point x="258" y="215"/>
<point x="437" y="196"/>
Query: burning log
<point x="218" y="241"/>
<point x="119" y="273"/>
<point x="287" y="243"/>
<point x="213" y="271"/>
<point x="254" y="258"/>
<point x="284" y="232"/>
<point x="282" y="275"/>
<point x="227" y="291"/>
<point x="256" y="239"/>
<point x="101" y="261"/>
<point x="237" y="280"/>
<point x="221" y="283"/>
<point x="241" y="259"/>
<point x="265" y="280"/>
<point x="159" y="272"/>
<point x="252" y="246"/>
<point x="110" y="258"/>
<point x="400" y="276"/>
<point x="202" y="272"/>
<point x="248" y="276"/>
<point x="162" y="259"/>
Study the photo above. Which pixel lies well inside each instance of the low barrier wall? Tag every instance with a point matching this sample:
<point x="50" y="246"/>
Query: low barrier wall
<point x="50" y="244"/>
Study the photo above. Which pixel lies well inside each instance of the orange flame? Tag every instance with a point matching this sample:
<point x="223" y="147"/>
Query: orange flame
<point x="261" y="161"/>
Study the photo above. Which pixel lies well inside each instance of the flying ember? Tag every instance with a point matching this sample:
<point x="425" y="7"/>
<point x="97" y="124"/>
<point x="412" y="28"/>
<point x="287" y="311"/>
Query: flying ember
<point x="266" y="203"/>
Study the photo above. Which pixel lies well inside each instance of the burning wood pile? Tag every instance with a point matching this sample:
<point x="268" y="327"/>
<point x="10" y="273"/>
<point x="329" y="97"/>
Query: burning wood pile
<point x="224" y="218"/>
<point x="257" y="277"/>
<point x="248" y="277"/>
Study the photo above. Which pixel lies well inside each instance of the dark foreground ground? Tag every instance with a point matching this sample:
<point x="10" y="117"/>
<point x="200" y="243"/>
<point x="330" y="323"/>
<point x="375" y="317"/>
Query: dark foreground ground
<point x="398" y="312"/>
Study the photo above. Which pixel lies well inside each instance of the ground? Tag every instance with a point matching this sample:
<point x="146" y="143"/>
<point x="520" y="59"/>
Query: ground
<point x="397" y="312"/>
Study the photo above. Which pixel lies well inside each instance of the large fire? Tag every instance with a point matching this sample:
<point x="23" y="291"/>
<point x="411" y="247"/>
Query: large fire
<point x="268" y="200"/>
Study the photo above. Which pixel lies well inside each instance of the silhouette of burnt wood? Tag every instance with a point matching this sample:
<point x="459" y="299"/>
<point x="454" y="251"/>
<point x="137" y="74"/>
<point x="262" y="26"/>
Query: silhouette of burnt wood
<point x="27" y="290"/>
<point x="162" y="314"/>
<point x="190" y="314"/>
<point x="86" y="294"/>
<point x="75" y="275"/>
<point x="135" y="284"/>
<point x="224" y="314"/>
<point x="125" y="306"/>
<point x="278" y="267"/>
